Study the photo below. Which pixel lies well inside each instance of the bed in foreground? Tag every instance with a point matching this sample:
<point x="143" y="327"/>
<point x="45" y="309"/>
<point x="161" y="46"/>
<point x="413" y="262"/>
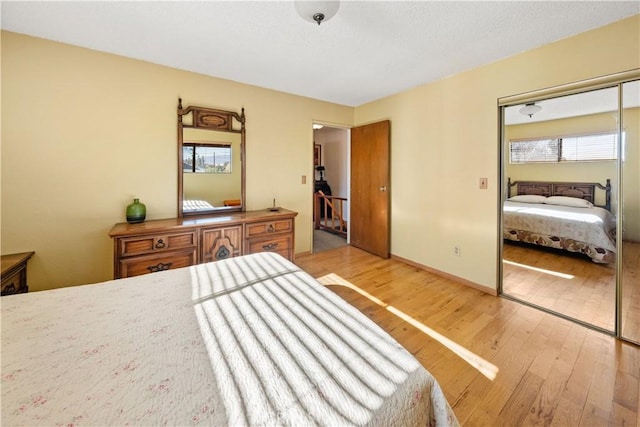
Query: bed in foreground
<point x="250" y="340"/>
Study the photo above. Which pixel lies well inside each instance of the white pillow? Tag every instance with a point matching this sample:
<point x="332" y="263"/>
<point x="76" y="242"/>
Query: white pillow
<point x="573" y="202"/>
<point x="528" y="198"/>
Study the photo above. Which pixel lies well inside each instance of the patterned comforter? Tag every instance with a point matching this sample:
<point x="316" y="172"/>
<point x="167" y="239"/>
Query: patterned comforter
<point x="251" y="340"/>
<point x="585" y="230"/>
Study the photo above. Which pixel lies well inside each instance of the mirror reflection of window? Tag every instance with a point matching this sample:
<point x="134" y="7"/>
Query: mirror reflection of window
<point x="207" y="158"/>
<point x="570" y="148"/>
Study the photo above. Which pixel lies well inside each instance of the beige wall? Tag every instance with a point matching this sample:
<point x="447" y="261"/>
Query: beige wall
<point x="445" y="137"/>
<point x="197" y="186"/>
<point x="78" y="124"/>
<point x="84" y="132"/>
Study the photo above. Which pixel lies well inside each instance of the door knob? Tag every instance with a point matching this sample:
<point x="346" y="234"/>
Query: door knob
<point x="383" y="188"/>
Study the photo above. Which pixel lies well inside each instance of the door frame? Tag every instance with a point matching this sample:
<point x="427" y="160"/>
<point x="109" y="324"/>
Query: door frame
<point x="313" y="174"/>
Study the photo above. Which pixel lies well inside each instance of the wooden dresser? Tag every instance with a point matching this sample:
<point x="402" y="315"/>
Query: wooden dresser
<point x="164" y="244"/>
<point x="14" y="273"/>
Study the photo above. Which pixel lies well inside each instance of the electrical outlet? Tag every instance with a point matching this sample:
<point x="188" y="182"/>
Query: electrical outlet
<point x="483" y="183"/>
<point x="456" y="250"/>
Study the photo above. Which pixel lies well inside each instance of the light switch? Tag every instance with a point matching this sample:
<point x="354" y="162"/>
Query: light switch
<point x="483" y="183"/>
<point x="304" y="179"/>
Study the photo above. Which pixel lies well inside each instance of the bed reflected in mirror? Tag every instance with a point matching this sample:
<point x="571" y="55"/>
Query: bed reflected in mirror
<point x="559" y="210"/>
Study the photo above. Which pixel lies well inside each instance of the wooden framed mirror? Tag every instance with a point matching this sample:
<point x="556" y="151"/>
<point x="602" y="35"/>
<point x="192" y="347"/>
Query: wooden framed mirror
<point x="211" y="161"/>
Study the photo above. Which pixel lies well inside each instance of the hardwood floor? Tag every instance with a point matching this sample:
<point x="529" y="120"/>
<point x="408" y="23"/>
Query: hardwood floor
<point x="574" y="285"/>
<point x="564" y="282"/>
<point x="550" y="371"/>
<point x="631" y="291"/>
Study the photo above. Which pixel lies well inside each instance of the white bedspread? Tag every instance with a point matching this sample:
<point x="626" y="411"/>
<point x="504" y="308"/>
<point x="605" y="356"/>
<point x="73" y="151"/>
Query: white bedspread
<point x="246" y="341"/>
<point x="196" y="205"/>
<point x="588" y="225"/>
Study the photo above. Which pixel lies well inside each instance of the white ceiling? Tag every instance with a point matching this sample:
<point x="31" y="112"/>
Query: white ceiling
<point x="369" y="50"/>
<point x="581" y="104"/>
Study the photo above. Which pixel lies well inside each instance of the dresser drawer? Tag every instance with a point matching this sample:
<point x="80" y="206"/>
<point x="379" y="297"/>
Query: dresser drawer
<point x="131" y="246"/>
<point x="279" y="244"/>
<point x="266" y="228"/>
<point x="221" y="243"/>
<point x="136" y="266"/>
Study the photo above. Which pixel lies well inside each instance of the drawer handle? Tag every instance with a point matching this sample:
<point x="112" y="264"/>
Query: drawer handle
<point x="271" y="228"/>
<point x="160" y="267"/>
<point x="223" y="253"/>
<point x="160" y="244"/>
<point x="270" y="246"/>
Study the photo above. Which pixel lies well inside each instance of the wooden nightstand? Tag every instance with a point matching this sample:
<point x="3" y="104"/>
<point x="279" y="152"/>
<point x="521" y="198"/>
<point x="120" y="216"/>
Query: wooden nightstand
<point x="14" y="273"/>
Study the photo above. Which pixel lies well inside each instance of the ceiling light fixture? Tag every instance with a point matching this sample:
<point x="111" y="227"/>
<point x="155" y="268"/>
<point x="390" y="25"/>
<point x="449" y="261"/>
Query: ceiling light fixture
<point x="530" y="109"/>
<point x="317" y="11"/>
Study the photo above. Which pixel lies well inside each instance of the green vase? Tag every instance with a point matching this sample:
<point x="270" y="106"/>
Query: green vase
<point x="136" y="212"/>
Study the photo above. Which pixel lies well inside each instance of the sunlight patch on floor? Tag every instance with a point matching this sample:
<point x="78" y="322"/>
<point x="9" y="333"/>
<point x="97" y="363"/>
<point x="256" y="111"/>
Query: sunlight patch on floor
<point x="540" y="270"/>
<point x="486" y="368"/>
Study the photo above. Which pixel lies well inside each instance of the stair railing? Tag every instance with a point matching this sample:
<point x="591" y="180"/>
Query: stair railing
<point x="333" y="220"/>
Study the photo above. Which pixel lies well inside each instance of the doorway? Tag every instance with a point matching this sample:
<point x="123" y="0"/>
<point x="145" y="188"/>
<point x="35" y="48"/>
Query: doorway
<point x="330" y="203"/>
<point x="363" y="162"/>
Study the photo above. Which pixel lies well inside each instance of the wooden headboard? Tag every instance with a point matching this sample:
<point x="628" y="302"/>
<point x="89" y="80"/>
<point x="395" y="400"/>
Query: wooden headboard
<point x="580" y="190"/>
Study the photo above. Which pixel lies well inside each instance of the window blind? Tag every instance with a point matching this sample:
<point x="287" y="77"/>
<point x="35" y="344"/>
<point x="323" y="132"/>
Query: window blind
<point x="580" y="148"/>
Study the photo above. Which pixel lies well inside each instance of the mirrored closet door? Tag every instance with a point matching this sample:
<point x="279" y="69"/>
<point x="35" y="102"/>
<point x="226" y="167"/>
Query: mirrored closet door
<point x="630" y="212"/>
<point x="570" y="204"/>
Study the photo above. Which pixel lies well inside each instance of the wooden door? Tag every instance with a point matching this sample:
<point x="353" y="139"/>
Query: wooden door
<point x="369" y="219"/>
